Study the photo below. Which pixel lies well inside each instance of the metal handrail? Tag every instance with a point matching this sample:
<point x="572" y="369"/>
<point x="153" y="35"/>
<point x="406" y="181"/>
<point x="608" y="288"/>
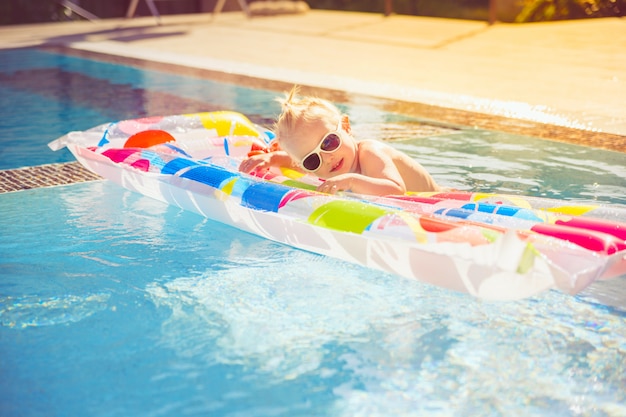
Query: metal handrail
<point x="75" y="8"/>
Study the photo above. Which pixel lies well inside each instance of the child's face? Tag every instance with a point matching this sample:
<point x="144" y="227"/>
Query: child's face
<point x="308" y="149"/>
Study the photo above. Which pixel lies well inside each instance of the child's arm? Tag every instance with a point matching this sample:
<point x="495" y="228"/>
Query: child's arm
<point x="377" y="173"/>
<point x="382" y="171"/>
<point x="361" y="184"/>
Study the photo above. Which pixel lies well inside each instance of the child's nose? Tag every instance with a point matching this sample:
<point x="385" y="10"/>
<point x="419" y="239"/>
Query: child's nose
<point x="327" y="158"/>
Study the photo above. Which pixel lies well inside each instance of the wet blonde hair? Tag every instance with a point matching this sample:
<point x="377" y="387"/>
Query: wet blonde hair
<point x="305" y="109"/>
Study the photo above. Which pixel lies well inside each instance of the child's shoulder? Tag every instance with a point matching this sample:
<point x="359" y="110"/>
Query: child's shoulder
<point x="372" y="145"/>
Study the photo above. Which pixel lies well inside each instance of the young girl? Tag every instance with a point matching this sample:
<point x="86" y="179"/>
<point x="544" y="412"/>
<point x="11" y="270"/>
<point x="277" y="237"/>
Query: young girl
<point x="314" y="137"/>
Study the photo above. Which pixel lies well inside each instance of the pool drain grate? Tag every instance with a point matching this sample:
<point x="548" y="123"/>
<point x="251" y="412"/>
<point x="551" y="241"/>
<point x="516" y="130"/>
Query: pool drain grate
<point x="39" y="176"/>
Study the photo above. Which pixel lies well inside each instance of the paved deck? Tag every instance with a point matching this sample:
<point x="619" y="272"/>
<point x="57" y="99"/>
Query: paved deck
<point x="562" y="74"/>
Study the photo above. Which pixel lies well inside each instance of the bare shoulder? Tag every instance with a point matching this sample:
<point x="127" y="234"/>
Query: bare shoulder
<point x="415" y="176"/>
<point x="370" y="146"/>
<point x="376" y="147"/>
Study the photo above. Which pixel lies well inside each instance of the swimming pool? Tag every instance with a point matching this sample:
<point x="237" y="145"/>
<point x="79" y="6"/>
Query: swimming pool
<point x="114" y="304"/>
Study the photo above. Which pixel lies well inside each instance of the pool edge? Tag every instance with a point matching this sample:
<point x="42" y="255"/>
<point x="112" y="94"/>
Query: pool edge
<point x="433" y="113"/>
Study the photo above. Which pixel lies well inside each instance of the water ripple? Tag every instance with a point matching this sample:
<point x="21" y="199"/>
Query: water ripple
<point x="35" y="311"/>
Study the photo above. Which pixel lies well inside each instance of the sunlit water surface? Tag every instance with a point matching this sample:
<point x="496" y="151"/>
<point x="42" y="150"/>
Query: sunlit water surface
<point x="113" y="304"/>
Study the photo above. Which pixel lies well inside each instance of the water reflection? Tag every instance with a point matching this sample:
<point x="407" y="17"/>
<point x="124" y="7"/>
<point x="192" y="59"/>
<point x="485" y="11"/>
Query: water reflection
<point x="494" y="162"/>
<point x="207" y="319"/>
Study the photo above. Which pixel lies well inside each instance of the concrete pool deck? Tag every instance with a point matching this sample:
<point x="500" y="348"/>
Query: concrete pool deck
<point x="557" y="80"/>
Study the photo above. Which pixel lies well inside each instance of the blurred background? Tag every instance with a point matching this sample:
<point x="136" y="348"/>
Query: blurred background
<point x="38" y="11"/>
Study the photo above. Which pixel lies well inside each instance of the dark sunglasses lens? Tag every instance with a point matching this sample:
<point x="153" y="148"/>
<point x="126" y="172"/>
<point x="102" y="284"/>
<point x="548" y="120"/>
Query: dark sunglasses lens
<point x="330" y="143"/>
<point x="312" y="162"/>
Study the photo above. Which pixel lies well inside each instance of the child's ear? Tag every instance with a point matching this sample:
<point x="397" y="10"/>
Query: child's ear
<point x="345" y="123"/>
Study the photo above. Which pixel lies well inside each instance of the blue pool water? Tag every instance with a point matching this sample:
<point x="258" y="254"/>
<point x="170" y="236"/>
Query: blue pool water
<point x="44" y="95"/>
<point x="113" y="304"/>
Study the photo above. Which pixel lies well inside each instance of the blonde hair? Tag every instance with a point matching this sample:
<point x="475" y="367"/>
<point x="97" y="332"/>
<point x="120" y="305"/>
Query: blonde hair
<point x="306" y="109"/>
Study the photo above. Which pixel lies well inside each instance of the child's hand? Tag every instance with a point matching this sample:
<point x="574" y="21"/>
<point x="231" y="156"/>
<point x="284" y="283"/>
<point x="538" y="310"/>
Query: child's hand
<point x="259" y="162"/>
<point x="335" y="184"/>
<point x="262" y="162"/>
